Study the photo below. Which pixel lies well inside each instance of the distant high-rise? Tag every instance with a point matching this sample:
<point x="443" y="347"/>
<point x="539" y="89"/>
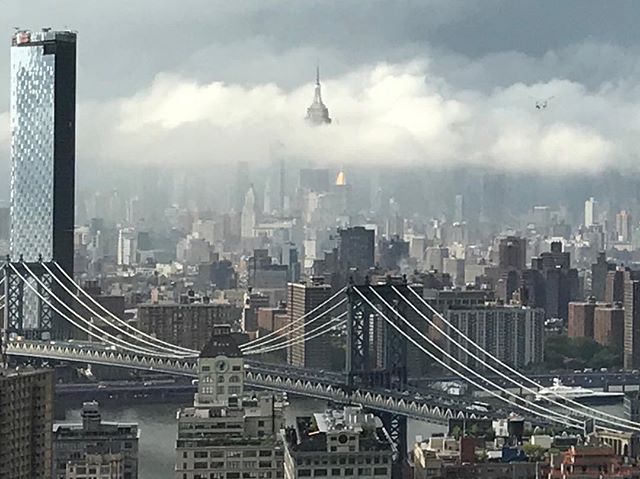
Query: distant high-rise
<point x="248" y="214"/>
<point x="356" y="248"/>
<point x="43" y="119"/>
<point x="623" y="226"/>
<point x="590" y="212"/>
<point x="512" y="252"/>
<point x="302" y="298"/>
<point x="318" y="113"/>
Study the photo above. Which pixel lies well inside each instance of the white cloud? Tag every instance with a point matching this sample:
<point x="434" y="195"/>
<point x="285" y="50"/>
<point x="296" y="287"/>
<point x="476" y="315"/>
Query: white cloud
<point x="388" y="114"/>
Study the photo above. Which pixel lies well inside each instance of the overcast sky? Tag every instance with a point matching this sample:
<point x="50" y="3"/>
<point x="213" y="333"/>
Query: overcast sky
<point x="433" y="82"/>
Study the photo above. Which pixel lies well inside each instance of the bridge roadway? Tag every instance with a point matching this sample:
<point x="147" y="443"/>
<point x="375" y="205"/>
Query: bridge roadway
<point x="431" y="406"/>
<point x="588" y="379"/>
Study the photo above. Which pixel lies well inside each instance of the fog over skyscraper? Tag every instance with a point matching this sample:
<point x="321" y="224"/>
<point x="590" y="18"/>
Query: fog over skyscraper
<point x="318" y="113"/>
<point x="43" y="103"/>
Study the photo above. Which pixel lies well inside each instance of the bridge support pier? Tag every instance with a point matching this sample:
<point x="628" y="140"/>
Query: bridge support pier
<point x="377" y="354"/>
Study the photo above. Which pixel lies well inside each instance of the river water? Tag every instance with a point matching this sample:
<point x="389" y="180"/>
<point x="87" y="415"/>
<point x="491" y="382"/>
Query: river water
<point x="157" y="423"/>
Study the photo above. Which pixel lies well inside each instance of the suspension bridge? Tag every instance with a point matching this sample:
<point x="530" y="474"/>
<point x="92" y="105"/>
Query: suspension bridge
<point x="379" y="322"/>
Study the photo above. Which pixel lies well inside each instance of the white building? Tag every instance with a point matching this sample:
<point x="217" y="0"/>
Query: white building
<point x="590" y="212"/>
<point x="228" y="433"/>
<point x="127" y="251"/>
<point x="248" y="220"/>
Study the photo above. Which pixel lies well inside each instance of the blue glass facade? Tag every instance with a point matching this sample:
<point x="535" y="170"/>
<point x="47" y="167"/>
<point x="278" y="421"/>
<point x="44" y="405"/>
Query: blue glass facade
<point x="43" y="83"/>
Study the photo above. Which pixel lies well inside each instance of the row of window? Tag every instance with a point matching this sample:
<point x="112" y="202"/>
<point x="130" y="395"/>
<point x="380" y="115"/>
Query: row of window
<point x="345" y="460"/>
<point x="346" y="472"/>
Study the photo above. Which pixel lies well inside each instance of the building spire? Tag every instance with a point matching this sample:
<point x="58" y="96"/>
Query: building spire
<point x="318" y="113"/>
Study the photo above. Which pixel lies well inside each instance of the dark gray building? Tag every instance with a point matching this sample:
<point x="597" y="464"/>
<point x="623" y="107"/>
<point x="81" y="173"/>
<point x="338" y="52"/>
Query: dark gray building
<point x="79" y="445"/>
<point x="356" y="249"/>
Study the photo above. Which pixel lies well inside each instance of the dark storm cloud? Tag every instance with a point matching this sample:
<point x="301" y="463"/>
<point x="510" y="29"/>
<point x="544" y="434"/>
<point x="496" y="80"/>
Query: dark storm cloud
<point x="431" y="81"/>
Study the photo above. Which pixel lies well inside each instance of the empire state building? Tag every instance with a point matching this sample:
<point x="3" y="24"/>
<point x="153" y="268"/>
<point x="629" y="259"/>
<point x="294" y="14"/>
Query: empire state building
<point x="318" y="113"/>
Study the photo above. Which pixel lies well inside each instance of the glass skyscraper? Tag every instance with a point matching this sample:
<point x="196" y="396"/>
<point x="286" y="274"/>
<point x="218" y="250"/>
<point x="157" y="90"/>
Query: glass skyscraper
<point x="43" y="117"/>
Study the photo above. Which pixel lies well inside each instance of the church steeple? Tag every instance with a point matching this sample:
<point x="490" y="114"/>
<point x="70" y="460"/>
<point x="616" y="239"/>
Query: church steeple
<point x="318" y="113"/>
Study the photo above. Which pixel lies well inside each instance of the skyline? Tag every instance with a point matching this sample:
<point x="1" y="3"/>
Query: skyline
<point x="412" y="97"/>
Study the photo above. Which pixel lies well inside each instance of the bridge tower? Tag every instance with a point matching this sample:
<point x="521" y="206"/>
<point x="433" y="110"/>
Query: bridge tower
<point x="377" y="352"/>
<point x="25" y="314"/>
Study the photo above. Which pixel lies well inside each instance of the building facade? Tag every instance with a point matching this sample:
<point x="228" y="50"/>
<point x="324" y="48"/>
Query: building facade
<point x="26" y="420"/>
<point x="301" y="299"/>
<point x="188" y="325"/>
<point x="94" y="448"/>
<point x="43" y="105"/>
<point x="513" y="334"/>
<point x="338" y="443"/>
<point x="228" y="433"/>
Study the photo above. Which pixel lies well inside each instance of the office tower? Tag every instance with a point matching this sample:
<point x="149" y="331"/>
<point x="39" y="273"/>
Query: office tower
<point x="608" y="327"/>
<point x="393" y="254"/>
<point x="623" y="226"/>
<point x="590" y="212"/>
<point x="127" y="252"/>
<point x="631" y="324"/>
<point x="599" y="271"/>
<point x="356" y="248"/>
<point x="267" y="207"/>
<point x="338" y="443"/>
<point x="555" y="283"/>
<point x="228" y="432"/>
<point x="542" y="217"/>
<point x="111" y="449"/>
<point x="26" y="420"/>
<point x="493" y="198"/>
<point x="253" y="302"/>
<point x="434" y="257"/>
<point x="459" y="210"/>
<point x="43" y="118"/>
<point x="454" y="267"/>
<point x="302" y="298"/>
<point x="581" y="319"/>
<point x="318" y="113"/>
<point x="248" y="221"/>
<point x="242" y="184"/>
<point x="512" y="253"/>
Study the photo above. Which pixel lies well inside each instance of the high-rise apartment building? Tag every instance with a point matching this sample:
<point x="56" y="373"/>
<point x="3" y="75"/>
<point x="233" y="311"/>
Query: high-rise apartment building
<point x="228" y="433"/>
<point x="43" y="121"/>
<point x="189" y="325"/>
<point x="338" y="443"/>
<point x="26" y="421"/>
<point x="581" y="319"/>
<point x="608" y="326"/>
<point x="301" y="299"/>
<point x="95" y="448"/>
<point x="631" y="324"/>
<point x="514" y="334"/>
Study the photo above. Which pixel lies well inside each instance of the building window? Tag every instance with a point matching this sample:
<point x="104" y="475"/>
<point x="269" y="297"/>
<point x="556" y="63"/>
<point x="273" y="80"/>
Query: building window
<point x="319" y="473"/>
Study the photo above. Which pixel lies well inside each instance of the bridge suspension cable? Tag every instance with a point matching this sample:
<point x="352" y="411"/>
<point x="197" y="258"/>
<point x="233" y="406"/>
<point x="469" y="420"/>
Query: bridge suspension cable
<point x="117" y="342"/>
<point x="537" y="410"/>
<point x="113" y="316"/>
<point x="156" y="347"/>
<point x="274" y="335"/>
<point x="333" y="324"/>
<point x="603" y="417"/>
